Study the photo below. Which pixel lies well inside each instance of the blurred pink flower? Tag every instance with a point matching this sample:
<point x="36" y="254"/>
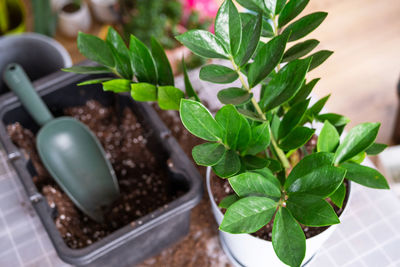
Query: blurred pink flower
<point x="206" y="8"/>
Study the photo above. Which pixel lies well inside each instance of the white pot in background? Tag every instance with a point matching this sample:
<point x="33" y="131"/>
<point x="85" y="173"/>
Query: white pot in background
<point x="70" y="23"/>
<point x="105" y="10"/>
<point x="251" y="251"/>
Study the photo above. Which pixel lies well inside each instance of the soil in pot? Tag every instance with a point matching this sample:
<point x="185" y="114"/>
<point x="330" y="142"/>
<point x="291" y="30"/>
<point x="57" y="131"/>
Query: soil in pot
<point x="143" y="181"/>
<point x="71" y="8"/>
<point x="221" y="188"/>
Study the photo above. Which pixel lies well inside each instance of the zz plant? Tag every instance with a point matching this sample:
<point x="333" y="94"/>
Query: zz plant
<point x="254" y="143"/>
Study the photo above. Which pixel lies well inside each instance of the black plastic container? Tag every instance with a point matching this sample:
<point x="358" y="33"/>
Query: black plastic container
<point x="128" y="245"/>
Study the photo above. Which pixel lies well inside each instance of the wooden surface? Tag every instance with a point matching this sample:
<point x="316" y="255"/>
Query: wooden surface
<point x="363" y="72"/>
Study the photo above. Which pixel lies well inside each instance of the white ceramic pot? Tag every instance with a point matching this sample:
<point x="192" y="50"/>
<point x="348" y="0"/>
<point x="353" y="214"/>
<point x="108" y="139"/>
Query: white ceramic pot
<point x="70" y="23"/>
<point x="105" y="10"/>
<point x="251" y="251"/>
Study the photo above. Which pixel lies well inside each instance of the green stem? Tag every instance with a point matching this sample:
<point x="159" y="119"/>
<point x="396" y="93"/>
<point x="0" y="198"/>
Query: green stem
<point x="279" y="152"/>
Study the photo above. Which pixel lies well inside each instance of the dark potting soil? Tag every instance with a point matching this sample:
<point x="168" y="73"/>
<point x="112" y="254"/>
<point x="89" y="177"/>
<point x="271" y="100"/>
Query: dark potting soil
<point x="144" y="183"/>
<point x="71" y="8"/>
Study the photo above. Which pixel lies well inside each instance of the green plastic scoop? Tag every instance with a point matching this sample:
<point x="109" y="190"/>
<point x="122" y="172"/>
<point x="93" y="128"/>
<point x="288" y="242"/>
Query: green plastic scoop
<point x="69" y="150"/>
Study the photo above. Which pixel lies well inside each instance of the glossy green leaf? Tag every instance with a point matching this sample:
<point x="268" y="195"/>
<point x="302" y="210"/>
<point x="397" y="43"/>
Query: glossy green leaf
<point x="357" y="140"/>
<point x="198" y="120"/>
<point x="318" y="58"/>
<point x="274" y="165"/>
<point x="250" y="115"/>
<point x="269" y="55"/>
<point x="250" y="37"/>
<point x="255" y="5"/>
<point x="208" y="154"/>
<point x="365" y="175"/>
<point x="144" y="92"/>
<point x="339" y="195"/>
<point x="237" y="128"/>
<point x="305" y="25"/>
<point x="254" y="162"/>
<point x="328" y="139"/>
<point x="95" y="49"/>
<point x="250" y="183"/>
<point x="247" y="215"/>
<point x="318" y="106"/>
<point x="311" y="210"/>
<point x="164" y="69"/>
<point x="94" y="81"/>
<point x="280" y="4"/>
<point x="142" y="61"/>
<point x="218" y="74"/>
<point x="228" y="26"/>
<point x="188" y="85"/>
<point x="235" y="96"/>
<point x="120" y="53"/>
<point x="260" y="139"/>
<point x="291" y="10"/>
<point x="169" y="97"/>
<point x="88" y="69"/>
<point x="375" y="149"/>
<point x="275" y="124"/>
<point x="359" y="158"/>
<point x="203" y="43"/>
<point x="288" y="238"/>
<point x="299" y="50"/>
<point x="117" y="85"/>
<point x="227" y="201"/>
<point x="335" y="119"/>
<point x="228" y="166"/>
<point x="296" y="138"/>
<point x="304" y="92"/>
<point x="285" y="84"/>
<point x="267" y="30"/>
<point x="292" y="118"/>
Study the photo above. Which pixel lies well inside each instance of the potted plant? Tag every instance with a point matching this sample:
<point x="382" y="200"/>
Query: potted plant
<point x="261" y="147"/>
<point x="12" y="17"/>
<point x="73" y="16"/>
<point x="105" y="11"/>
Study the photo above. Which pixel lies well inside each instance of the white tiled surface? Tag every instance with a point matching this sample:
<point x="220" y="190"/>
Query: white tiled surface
<point x="369" y="235"/>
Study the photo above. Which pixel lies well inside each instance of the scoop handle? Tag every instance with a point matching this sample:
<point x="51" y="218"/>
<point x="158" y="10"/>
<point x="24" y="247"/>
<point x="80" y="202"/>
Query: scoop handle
<point x="17" y="80"/>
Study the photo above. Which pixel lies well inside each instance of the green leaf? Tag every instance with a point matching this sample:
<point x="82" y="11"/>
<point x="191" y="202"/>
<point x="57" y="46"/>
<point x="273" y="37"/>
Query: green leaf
<point x="260" y="139"/>
<point x="188" y="85"/>
<point x="198" y="120"/>
<point x="299" y="50"/>
<point x="269" y="55"/>
<point x="254" y="163"/>
<point x="279" y="6"/>
<point x="218" y="74"/>
<point x="169" y="97"/>
<point x="120" y="53"/>
<point x="305" y="25"/>
<point x="267" y="30"/>
<point x="250" y="115"/>
<point x="250" y="37"/>
<point x="291" y="10"/>
<point x="143" y="92"/>
<point x="247" y="215"/>
<point x="228" y="26"/>
<point x="296" y="138"/>
<point x="164" y="70"/>
<point x="227" y="201"/>
<point x="288" y="238"/>
<point x="375" y="149"/>
<point x="335" y="119"/>
<point x="357" y="140"/>
<point x="255" y="5"/>
<point x="234" y="95"/>
<point x="285" y="84"/>
<point x="88" y="69"/>
<point x="339" y="195"/>
<point x="275" y="124"/>
<point x="304" y="92"/>
<point x="94" y="81"/>
<point x="250" y="183"/>
<point x="311" y="210"/>
<point x="95" y="49"/>
<point x="142" y="62"/>
<point x="229" y="165"/>
<point x="292" y="118"/>
<point x="237" y="128"/>
<point x="328" y="139"/>
<point x="359" y="158"/>
<point x="203" y="43"/>
<point x="208" y="154"/>
<point x="365" y="175"/>
<point x="318" y="106"/>
<point x="318" y="58"/>
<point x="117" y="85"/>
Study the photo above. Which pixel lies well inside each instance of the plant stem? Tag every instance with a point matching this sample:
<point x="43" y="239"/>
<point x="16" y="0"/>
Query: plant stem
<point x="279" y="152"/>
